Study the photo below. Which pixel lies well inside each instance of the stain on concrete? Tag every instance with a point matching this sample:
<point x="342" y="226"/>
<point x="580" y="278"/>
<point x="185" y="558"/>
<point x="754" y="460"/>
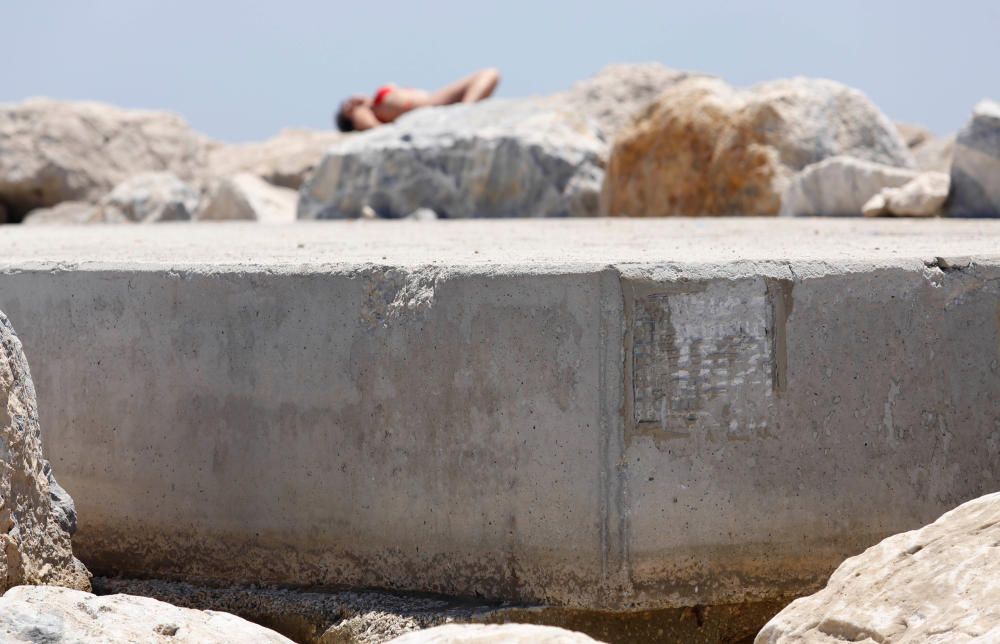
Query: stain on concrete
<point x="779" y="292"/>
<point x="702" y="360"/>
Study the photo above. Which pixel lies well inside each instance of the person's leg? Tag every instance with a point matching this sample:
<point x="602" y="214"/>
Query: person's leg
<point x="483" y="84"/>
<point x="470" y="89"/>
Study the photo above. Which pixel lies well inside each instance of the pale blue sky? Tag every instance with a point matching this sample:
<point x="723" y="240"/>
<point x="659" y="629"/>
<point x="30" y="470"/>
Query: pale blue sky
<point x="241" y="70"/>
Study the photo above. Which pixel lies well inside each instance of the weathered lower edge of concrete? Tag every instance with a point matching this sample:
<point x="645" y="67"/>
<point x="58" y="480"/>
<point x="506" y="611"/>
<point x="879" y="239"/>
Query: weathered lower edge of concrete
<point x="623" y="438"/>
<point x="370" y="617"/>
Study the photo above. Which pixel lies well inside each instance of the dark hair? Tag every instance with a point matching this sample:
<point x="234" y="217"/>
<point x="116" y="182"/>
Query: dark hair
<point x="343" y="121"/>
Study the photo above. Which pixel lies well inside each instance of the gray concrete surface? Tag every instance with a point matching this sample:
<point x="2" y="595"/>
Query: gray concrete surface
<point x="593" y="414"/>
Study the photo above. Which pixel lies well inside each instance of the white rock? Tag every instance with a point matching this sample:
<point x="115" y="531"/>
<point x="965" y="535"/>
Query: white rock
<point x="52" y="151"/>
<point x="34" y="529"/>
<point x="245" y="196"/>
<point x="924" y="196"/>
<point x="285" y="160"/>
<point x="498" y="158"/>
<point x="975" y="170"/>
<point x="493" y="634"/>
<point x="59" y="615"/>
<point x="840" y="186"/>
<point x="938" y="584"/>
<point x="150" y="197"/>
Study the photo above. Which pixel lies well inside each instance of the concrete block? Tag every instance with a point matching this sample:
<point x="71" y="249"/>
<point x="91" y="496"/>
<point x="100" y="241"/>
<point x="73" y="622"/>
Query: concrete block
<point x="605" y="415"/>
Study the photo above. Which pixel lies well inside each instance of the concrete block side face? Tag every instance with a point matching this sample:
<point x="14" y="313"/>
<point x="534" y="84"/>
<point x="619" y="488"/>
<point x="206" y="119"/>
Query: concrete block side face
<point x="873" y="410"/>
<point x="399" y="429"/>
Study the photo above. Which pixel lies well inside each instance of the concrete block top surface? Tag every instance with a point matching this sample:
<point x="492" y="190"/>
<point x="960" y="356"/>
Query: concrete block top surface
<point x="717" y="247"/>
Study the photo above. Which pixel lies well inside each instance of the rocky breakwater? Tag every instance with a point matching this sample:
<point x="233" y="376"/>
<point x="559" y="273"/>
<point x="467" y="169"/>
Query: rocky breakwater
<point x="635" y="139"/>
<point x="36" y="515"/>
<point x="935" y="584"/>
<point x="534" y="157"/>
<point x="706" y="148"/>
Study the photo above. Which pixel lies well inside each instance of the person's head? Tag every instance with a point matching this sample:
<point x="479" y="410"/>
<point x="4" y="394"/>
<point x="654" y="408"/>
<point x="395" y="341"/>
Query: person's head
<point x="344" y="117"/>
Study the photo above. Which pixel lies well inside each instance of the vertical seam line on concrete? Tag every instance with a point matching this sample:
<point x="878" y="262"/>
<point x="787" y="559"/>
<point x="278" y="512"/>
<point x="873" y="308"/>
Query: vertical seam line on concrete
<point x="614" y="382"/>
<point x="779" y="293"/>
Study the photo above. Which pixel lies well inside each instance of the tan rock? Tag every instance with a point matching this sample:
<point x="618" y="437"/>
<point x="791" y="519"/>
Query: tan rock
<point x="937" y="584"/>
<point x="707" y="148"/>
<point x="52" y="151"/>
<point x="285" y="160"/>
<point x="493" y="634"/>
<point x="924" y="196"/>
<point x="245" y="196"/>
<point x="35" y="543"/>
<point x="60" y="615"/>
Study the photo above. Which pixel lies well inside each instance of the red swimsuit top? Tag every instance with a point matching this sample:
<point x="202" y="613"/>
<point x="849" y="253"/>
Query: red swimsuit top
<point x="381" y="93"/>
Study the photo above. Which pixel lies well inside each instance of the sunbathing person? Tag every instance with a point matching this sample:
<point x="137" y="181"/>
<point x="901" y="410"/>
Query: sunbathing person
<point x="390" y="102"/>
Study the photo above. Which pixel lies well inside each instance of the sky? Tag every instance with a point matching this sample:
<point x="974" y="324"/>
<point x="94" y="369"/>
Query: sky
<point x="242" y="70"/>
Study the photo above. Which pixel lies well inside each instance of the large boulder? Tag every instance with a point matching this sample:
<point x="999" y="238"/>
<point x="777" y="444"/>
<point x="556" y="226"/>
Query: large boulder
<point x="64" y="616"/>
<point x="246" y="196"/>
<point x="36" y="517"/>
<point x="618" y="93"/>
<point x="935" y="584"/>
<point x="839" y="186"/>
<point x="975" y="170"/>
<point x="705" y="148"/>
<point x="493" y="634"/>
<point x="498" y="158"/>
<point x="285" y="160"/>
<point x="53" y="151"/>
<point x="924" y="196"/>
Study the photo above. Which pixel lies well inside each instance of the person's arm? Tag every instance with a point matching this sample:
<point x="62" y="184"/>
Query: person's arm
<point x="363" y="118"/>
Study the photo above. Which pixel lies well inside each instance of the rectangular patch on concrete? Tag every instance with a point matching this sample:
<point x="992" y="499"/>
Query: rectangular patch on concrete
<point x="703" y="359"/>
